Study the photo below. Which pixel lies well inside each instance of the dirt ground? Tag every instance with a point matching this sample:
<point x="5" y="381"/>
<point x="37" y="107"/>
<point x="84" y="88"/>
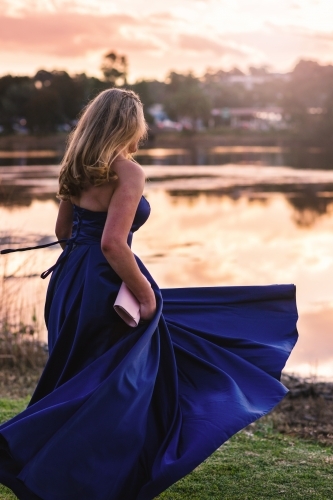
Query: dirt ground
<point x="306" y="411"/>
<point x="16" y="383"/>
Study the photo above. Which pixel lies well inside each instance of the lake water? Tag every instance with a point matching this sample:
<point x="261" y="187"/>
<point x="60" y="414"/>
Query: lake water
<point x="241" y="223"/>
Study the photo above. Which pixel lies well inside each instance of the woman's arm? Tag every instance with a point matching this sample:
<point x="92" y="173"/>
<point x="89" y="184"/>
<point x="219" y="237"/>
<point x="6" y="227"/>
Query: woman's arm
<point x="121" y="212"/>
<point x="64" y="222"/>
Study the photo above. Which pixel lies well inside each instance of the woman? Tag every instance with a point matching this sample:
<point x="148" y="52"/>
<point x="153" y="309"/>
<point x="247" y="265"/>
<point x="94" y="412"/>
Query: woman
<point x="121" y="413"/>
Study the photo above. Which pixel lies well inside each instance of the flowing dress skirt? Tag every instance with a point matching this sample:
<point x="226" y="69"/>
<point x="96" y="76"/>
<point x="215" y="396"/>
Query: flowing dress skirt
<point x="121" y="413"/>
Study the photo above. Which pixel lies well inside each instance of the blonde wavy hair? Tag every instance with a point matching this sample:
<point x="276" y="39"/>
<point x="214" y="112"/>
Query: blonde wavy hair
<point x="109" y="125"/>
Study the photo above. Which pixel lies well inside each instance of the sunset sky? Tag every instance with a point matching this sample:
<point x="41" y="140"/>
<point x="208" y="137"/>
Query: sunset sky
<point x="158" y="36"/>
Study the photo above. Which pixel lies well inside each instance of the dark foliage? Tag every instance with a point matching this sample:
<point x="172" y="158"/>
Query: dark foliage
<point x="51" y="101"/>
<point x="114" y="68"/>
<point x="308" y="99"/>
<point x="48" y="102"/>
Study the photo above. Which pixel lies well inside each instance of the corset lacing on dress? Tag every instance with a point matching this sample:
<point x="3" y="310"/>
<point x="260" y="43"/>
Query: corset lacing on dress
<point x="85" y="232"/>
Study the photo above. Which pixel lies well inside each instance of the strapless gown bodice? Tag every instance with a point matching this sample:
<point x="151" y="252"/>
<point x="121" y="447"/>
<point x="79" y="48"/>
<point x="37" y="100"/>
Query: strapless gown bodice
<point x="88" y="225"/>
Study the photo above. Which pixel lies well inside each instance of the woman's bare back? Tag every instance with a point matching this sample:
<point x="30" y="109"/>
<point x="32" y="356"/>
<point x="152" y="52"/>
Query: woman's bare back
<point x="95" y="198"/>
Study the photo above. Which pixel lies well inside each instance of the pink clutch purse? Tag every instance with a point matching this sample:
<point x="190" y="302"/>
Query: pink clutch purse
<point x="127" y="306"/>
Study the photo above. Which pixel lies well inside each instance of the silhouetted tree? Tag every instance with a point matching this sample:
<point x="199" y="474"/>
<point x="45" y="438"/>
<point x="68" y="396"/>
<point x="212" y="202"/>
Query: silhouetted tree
<point x="14" y="94"/>
<point x="309" y="101"/>
<point x="186" y="98"/>
<point x="114" y="68"/>
<point x="260" y="71"/>
<point x="52" y="99"/>
<point x="44" y="111"/>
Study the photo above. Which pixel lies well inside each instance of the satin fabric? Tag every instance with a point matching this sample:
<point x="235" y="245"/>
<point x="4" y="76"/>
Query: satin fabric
<point x="121" y="413"/>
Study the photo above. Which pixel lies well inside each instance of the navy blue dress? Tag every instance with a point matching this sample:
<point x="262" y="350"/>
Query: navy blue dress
<point x="121" y="413"/>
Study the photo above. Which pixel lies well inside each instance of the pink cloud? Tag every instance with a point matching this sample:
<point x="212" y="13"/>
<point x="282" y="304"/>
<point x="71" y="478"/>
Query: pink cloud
<point x="162" y="16"/>
<point x="70" y="34"/>
<point x="201" y="44"/>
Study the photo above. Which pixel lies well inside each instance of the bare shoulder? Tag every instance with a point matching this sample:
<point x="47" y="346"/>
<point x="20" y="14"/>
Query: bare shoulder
<point x="129" y="171"/>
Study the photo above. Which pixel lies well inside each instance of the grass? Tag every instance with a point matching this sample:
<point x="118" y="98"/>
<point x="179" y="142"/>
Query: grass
<point x="11" y="407"/>
<point x="256" y="464"/>
<point x="8" y="409"/>
<point x="5" y="494"/>
<point x="260" y="465"/>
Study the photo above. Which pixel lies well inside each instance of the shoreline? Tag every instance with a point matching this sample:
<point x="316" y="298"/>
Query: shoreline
<point x="166" y="140"/>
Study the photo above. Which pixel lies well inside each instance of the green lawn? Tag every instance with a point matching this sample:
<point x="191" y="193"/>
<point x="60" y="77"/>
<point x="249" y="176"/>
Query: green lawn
<point x="254" y="465"/>
<point x="259" y="466"/>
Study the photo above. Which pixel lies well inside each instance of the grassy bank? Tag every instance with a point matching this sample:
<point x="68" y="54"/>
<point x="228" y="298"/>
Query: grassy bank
<point x="256" y="464"/>
<point x="260" y="465"/>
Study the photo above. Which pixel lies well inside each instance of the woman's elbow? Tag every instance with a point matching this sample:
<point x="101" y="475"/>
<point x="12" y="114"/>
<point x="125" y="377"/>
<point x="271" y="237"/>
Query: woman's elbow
<point x="112" y="248"/>
<point x="62" y="234"/>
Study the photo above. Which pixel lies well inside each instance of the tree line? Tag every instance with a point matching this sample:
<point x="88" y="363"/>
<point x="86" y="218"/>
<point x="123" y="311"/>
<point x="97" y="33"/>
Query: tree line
<point x="50" y="101"/>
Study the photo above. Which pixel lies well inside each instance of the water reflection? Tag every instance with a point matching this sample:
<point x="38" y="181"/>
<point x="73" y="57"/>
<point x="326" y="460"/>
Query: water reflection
<point x="214" y="240"/>
<point x="310" y="192"/>
<point x="38" y="153"/>
<point x="308" y="204"/>
<point x="311" y="204"/>
<point x="226" y="225"/>
<point x="198" y="151"/>
<point x="32" y="157"/>
<point x="20" y="185"/>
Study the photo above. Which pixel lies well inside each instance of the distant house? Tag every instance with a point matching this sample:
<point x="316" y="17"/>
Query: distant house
<point x="250" y="81"/>
<point x="161" y="119"/>
<point x="249" y="118"/>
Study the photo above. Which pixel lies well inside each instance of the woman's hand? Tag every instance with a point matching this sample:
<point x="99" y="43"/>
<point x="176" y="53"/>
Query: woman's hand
<point x="148" y="307"/>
